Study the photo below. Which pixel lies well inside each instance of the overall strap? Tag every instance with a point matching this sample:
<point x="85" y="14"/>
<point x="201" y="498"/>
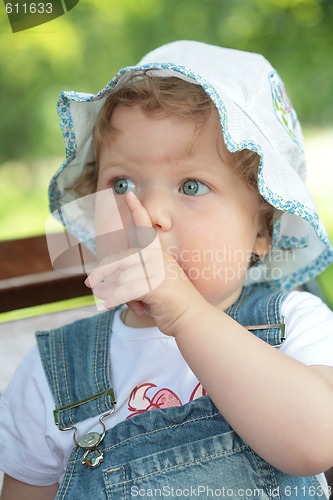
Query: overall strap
<point x="76" y="362"/>
<point x="258" y="308"/>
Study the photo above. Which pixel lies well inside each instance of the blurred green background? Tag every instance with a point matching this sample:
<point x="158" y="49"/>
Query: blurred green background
<point x="83" y="49"/>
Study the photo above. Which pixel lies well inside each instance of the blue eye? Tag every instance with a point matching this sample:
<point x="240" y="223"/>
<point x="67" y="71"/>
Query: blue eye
<point x="193" y="187"/>
<point x="121" y="186"/>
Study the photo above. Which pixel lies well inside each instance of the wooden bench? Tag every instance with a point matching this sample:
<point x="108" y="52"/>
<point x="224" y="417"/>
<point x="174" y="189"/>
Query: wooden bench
<point x="27" y="279"/>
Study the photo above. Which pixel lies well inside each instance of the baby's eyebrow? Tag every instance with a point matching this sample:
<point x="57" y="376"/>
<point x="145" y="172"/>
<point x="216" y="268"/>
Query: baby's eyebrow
<point x="114" y="165"/>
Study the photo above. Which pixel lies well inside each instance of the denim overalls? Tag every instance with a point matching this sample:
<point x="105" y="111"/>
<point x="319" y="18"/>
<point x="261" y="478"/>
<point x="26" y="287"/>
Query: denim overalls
<point x="187" y="451"/>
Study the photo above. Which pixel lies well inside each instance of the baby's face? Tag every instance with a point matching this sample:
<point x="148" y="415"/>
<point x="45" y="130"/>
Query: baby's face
<point x="204" y="215"/>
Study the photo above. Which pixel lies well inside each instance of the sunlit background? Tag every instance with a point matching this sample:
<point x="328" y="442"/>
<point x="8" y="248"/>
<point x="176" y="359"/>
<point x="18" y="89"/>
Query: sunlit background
<point x="83" y="49"/>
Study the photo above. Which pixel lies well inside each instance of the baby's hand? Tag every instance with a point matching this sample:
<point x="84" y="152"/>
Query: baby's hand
<point x="148" y="279"/>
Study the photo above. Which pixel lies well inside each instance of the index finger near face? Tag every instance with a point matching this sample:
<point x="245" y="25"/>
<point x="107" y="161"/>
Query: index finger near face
<point x="139" y="214"/>
<point x="142" y="233"/>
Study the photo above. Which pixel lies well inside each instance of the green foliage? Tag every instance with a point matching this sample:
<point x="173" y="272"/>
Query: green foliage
<point x="84" y="48"/>
<point x="23" y="200"/>
<point x="325" y="281"/>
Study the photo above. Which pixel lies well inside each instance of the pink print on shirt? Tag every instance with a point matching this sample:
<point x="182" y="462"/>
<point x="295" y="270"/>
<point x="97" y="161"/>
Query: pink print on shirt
<point x="139" y="402"/>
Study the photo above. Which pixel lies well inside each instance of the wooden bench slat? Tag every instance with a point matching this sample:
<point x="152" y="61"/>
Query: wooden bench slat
<point x="28" y="279"/>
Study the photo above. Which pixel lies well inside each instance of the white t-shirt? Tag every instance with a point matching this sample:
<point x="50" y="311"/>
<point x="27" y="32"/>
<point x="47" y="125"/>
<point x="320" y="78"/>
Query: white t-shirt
<point x="146" y="368"/>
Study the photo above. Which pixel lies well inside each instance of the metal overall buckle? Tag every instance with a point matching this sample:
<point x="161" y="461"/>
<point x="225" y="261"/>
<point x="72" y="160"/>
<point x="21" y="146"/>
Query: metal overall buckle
<point x="90" y="442"/>
<point x="280" y="326"/>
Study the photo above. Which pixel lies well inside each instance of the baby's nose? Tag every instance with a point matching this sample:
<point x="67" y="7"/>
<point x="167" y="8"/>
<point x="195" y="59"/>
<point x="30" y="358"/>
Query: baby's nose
<point x="159" y="207"/>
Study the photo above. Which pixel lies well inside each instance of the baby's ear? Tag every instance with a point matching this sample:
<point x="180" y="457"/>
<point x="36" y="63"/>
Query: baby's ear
<point x="262" y="245"/>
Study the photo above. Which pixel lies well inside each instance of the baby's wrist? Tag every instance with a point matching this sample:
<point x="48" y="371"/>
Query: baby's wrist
<point x="188" y="317"/>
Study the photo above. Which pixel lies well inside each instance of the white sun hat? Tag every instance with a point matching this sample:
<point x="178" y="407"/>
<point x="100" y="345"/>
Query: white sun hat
<point x="255" y="113"/>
